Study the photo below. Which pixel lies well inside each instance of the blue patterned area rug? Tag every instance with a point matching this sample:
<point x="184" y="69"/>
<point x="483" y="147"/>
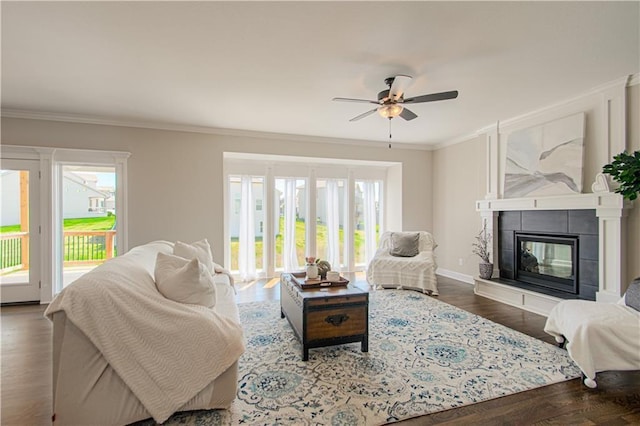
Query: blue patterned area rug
<point x="424" y="356"/>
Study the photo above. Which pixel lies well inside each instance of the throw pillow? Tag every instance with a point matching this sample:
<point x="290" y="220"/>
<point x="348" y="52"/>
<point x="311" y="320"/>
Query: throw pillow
<point x="184" y="281"/>
<point x="200" y="250"/>
<point x="404" y="244"/>
<point x="632" y="296"/>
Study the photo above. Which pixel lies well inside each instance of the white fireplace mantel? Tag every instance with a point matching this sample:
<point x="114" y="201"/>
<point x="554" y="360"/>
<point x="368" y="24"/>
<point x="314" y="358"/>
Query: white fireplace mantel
<point x="611" y="210"/>
<point x="604" y="203"/>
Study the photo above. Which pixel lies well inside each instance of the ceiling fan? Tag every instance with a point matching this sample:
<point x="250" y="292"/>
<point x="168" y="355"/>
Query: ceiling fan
<point x="391" y="102"/>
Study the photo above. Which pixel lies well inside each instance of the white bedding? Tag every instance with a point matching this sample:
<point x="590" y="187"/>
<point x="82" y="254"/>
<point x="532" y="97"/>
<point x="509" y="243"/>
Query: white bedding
<point x="147" y="338"/>
<point x="601" y="336"/>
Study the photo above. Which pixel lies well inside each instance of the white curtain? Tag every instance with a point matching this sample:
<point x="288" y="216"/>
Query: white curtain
<point x="333" y="224"/>
<point x="247" y="238"/>
<point x="369" y="212"/>
<point x="289" y="255"/>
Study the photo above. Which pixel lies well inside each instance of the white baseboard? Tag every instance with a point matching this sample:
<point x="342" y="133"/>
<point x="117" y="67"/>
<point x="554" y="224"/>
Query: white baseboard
<point x="468" y="279"/>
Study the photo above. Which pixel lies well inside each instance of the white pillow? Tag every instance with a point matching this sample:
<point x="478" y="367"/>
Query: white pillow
<point x="200" y="250"/>
<point x="184" y="281"/>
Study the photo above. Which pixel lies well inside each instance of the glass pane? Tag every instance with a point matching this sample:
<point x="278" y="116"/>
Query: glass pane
<point x="328" y="217"/>
<point x="14" y="227"/>
<point x="299" y="200"/>
<point x="361" y="216"/>
<point x="257" y="194"/>
<point x="234" y="221"/>
<point x="358" y="220"/>
<point x="546" y="258"/>
<point x="89" y="219"/>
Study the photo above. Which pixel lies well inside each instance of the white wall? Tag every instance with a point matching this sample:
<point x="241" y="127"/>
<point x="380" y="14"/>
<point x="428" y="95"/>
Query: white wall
<point x="393" y="197"/>
<point x="459" y="179"/>
<point x="176" y="178"/>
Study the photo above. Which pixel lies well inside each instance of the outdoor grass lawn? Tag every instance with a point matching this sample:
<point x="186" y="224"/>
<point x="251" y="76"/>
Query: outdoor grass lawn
<point x="321" y="244"/>
<point x="76" y="249"/>
<point x="90" y="224"/>
<point x="83" y="224"/>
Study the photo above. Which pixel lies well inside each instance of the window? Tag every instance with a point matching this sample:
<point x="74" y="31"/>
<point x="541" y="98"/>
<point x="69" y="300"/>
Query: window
<point x="246" y="230"/>
<point x="290" y="197"/>
<point x="331" y="217"/>
<point x="367" y="220"/>
<point x="327" y="208"/>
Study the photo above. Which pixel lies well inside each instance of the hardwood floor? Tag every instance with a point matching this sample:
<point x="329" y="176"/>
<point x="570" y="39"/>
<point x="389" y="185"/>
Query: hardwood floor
<point x="25" y="392"/>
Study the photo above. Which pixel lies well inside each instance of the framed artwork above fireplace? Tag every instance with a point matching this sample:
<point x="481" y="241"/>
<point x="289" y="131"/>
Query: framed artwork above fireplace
<point x="545" y="159"/>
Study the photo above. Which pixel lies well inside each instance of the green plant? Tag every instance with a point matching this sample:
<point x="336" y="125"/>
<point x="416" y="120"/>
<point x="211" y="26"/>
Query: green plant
<point x="481" y="246"/>
<point x="625" y="169"/>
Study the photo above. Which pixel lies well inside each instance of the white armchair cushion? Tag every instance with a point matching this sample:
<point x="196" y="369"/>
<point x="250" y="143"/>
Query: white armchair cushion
<point x="632" y="296"/>
<point x="184" y="281"/>
<point x="200" y="250"/>
<point x="404" y="244"/>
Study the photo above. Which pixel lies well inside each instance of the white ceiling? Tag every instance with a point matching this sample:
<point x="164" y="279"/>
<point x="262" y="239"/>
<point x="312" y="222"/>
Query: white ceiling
<point x="274" y="67"/>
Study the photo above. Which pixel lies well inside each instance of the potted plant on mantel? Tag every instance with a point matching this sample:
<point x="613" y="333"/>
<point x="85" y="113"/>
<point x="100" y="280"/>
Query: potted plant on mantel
<point x="625" y="169"/>
<point x="481" y="248"/>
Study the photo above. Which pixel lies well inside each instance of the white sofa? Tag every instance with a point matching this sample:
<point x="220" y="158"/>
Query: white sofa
<point x="417" y="272"/>
<point x="91" y="385"/>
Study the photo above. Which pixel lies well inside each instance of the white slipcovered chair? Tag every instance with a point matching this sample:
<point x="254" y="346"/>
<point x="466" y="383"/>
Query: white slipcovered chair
<point x="599" y="336"/>
<point x="417" y="272"/>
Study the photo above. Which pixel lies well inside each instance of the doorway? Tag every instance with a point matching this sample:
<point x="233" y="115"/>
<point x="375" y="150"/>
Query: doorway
<point x="88" y="201"/>
<point x="19" y="231"/>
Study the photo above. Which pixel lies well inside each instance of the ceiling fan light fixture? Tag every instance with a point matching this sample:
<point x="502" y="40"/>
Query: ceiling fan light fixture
<point x="390" y="111"/>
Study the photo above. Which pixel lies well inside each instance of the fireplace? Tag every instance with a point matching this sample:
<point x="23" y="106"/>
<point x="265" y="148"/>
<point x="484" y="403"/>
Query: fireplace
<point x="548" y="261"/>
<point x="596" y="219"/>
<point x="552" y="252"/>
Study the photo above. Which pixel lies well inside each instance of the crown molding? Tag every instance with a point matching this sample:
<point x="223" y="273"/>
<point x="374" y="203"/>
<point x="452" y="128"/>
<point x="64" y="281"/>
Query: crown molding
<point x="618" y="84"/>
<point x="459" y="139"/>
<point x="86" y="119"/>
<point x="634" y="80"/>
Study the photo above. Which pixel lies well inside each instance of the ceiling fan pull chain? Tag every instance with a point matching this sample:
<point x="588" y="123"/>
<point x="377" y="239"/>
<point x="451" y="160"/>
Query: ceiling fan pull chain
<point x="389" y="132"/>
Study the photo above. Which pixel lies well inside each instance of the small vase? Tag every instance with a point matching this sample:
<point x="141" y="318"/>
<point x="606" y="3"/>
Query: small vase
<point x="486" y="270"/>
<point x="312" y="271"/>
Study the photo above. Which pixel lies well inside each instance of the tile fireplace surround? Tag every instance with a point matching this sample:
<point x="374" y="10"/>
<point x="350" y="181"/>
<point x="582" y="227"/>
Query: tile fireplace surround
<point x="611" y="212"/>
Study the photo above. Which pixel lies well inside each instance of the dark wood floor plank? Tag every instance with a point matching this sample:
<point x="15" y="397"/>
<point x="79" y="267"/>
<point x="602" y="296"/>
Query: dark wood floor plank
<point x="25" y="392"/>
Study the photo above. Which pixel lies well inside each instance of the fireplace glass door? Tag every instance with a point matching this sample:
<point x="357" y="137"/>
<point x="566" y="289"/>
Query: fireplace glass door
<point x="547" y="261"/>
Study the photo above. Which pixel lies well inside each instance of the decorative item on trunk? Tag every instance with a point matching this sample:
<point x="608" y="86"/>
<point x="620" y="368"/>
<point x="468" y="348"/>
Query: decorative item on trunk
<point x="323" y="268"/>
<point x="311" y="268"/>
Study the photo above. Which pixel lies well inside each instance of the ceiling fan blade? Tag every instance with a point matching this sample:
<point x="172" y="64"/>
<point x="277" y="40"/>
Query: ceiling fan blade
<point x="354" y="100"/>
<point x="366" y="114"/>
<point x="408" y="114"/>
<point x="400" y="83"/>
<point x="432" y="97"/>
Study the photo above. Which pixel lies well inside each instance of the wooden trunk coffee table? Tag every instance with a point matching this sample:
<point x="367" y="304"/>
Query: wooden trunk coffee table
<point x="325" y="316"/>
